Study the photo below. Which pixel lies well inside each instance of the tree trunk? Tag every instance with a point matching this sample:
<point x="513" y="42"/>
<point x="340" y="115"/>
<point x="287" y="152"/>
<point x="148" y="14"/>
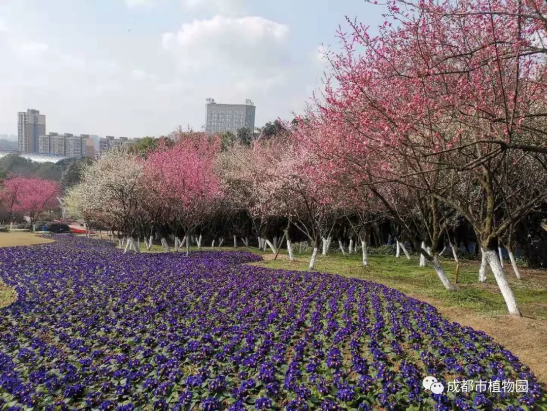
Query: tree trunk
<point x="454" y="249"/>
<point x="350" y="244"/>
<point x="221" y="241"/>
<point x="127" y="246"/>
<point x="500" y="257"/>
<point x="235" y="241"/>
<point x="245" y="241"/>
<point x="441" y="273"/>
<point x="364" y="253"/>
<point x="397" y="249"/>
<point x="268" y="243"/>
<point x="165" y="244"/>
<point x="329" y="238"/>
<point x="134" y="245"/>
<point x="213" y="243"/>
<point x="300" y="247"/>
<point x="290" y="250"/>
<point x="502" y="282"/>
<point x="513" y="262"/>
<point x="177" y="244"/>
<point x="402" y="246"/>
<point x="483" y="268"/>
<point x="187" y="246"/>
<point x="313" y="258"/>
<point x="260" y="240"/>
<point x="341" y="247"/>
<point x="422" y="259"/>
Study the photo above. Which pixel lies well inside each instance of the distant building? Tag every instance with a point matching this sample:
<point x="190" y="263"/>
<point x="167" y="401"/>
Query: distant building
<point x="30" y="126"/>
<point x="58" y="144"/>
<point x="44" y="143"/>
<point x="110" y="142"/>
<point x="88" y="147"/>
<point x="73" y="146"/>
<point x="229" y="117"/>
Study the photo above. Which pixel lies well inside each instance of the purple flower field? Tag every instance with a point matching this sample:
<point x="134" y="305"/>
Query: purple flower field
<point x="94" y="329"/>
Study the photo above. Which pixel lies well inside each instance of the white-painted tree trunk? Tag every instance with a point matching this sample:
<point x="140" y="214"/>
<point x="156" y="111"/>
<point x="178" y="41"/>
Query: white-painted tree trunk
<point x="235" y="241"/>
<point x="127" y="246"/>
<point x="134" y="245"/>
<point x="245" y="241"/>
<point x="148" y="244"/>
<point x="443" y="251"/>
<point x="199" y="244"/>
<point x="422" y="260"/>
<point x="221" y="241"/>
<point x="138" y="243"/>
<point x="402" y="246"/>
<point x="500" y="257"/>
<point x="454" y="249"/>
<point x="290" y="250"/>
<point x="165" y="245"/>
<point x="275" y="242"/>
<point x="397" y="249"/>
<point x="324" y="246"/>
<point x="350" y="245"/>
<point x="329" y="238"/>
<point x="187" y="247"/>
<point x="177" y="244"/>
<point x="509" y="298"/>
<point x="441" y="273"/>
<point x="364" y="253"/>
<point x="213" y="243"/>
<point x="260" y="241"/>
<point x="313" y="258"/>
<point x="483" y="267"/>
<point x="268" y="243"/>
<point x="300" y="247"/>
<point x="514" y="265"/>
<point x="265" y="244"/>
<point x="341" y="247"/>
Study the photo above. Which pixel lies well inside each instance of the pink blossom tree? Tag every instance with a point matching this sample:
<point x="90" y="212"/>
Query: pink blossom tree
<point x="31" y="196"/>
<point x="183" y="182"/>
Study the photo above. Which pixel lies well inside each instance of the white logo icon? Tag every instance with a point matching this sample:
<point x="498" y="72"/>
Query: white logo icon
<point x="432" y="384"/>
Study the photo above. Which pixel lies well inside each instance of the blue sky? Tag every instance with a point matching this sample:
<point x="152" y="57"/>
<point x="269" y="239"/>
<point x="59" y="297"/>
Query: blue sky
<point x="143" y="67"/>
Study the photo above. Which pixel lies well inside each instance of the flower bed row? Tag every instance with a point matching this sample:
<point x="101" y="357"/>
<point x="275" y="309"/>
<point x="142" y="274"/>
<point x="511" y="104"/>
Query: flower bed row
<point x="96" y="329"/>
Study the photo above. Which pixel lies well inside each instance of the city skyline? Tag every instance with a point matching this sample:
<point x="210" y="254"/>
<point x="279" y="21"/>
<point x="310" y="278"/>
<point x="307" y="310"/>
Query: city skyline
<point x="144" y="67"/>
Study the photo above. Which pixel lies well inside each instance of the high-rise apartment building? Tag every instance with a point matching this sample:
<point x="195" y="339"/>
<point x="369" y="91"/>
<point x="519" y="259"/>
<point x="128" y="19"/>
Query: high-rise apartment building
<point x="229" y="117"/>
<point x="44" y="143"/>
<point x="58" y="144"/>
<point x="30" y="126"/>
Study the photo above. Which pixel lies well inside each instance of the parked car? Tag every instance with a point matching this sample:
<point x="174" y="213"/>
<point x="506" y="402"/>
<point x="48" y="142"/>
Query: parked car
<point x="58" y="228"/>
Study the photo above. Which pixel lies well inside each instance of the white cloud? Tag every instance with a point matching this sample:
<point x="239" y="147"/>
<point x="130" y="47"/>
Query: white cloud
<point x="249" y="52"/>
<point x="139" y="3"/>
<point x="225" y="7"/>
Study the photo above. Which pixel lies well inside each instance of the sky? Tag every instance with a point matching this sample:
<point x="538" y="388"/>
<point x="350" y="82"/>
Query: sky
<point x="143" y="67"/>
